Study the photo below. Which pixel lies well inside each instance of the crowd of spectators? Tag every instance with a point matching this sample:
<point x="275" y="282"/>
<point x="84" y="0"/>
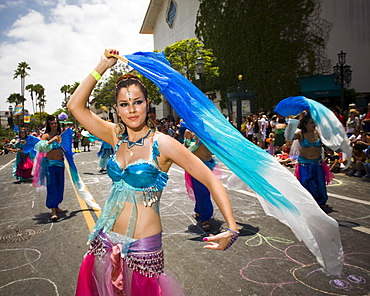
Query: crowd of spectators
<point x="266" y="130"/>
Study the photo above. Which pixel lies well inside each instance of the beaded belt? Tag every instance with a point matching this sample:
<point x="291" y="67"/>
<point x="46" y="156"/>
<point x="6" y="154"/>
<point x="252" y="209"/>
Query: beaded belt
<point x="149" y="264"/>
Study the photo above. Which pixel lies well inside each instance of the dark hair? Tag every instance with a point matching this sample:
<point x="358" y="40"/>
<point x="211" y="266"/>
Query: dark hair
<point x="302" y="124"/>
<point x="48" y="128"/>
<point x="127" y="80"/>
<point x="360" y="147"/>
<point x="25" y="131"/>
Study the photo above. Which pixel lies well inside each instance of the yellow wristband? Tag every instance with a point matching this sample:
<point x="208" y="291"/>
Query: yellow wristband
<point x="96" y="75"/>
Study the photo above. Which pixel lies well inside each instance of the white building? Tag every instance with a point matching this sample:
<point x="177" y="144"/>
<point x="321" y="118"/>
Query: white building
<point x="174" y="20"/>
<point x="4" y="119"/>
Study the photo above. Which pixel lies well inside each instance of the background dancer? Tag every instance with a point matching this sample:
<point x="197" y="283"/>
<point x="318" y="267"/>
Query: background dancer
<point x="311" y="170"/>
<point x="26" y="153"/>
<point x="126" y="241"/>
<point x="105" y="152"/>
<point x="53" y="162"/>
<point x="196" y="190"/>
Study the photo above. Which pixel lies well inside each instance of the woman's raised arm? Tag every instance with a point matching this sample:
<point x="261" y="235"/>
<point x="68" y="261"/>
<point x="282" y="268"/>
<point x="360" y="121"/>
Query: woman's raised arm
<point x="78" y="101"/>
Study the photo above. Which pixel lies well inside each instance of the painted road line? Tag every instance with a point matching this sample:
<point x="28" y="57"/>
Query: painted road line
<point x="86" y="211"/>
<point x="362" y="229"/>
<point x="5" y="165"/>
<point x="360" y="201"/>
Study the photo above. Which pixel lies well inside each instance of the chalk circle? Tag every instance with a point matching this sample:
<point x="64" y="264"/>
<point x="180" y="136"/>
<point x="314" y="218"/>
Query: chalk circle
<point x="19" y="260"/>
<point x="22" y="234"/>
<point x="23" y="291"/>
<point x="354" y="280"/>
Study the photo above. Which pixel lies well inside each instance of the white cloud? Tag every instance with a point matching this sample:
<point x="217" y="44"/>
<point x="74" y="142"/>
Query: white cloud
<point x="64" y="46"/>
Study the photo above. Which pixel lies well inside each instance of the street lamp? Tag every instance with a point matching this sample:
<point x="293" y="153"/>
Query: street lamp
<point x="11" y="117"/>
<point x="199" y="67"/>
<point x="343" y="74"/>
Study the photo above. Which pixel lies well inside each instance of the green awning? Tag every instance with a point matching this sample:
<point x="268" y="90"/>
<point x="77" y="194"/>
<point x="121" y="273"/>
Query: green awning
<point x="319" y="86"/>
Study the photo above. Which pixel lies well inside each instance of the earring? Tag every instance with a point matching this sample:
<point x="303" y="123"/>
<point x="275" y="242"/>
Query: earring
<point x="119" y="129"/>
<point x="151" y="124"/>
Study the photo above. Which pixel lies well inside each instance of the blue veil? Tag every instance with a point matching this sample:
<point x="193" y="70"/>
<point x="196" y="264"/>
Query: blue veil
<point x="279" y="192"/>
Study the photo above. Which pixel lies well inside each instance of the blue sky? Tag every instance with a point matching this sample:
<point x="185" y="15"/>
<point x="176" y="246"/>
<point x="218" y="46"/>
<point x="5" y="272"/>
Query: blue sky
<point x="62" y="40"/>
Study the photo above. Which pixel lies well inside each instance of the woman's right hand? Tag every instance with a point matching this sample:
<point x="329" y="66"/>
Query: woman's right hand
<point x="110" y="62"/>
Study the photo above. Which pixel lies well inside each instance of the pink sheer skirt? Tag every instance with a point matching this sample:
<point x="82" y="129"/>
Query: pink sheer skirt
<point x="117" y="265"/>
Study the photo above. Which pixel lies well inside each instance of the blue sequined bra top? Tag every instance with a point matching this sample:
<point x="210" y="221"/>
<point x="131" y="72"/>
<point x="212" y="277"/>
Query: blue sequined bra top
<point x="307" y="144"/>
<point x="140" y="183"/>
<point x="140" y="175"/>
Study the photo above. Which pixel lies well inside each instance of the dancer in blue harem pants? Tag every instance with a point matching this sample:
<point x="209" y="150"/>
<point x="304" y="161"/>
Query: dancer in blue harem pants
<point x="55" y="183"/>
<point x="203" y="203"/>
<point x="312" y="178"/>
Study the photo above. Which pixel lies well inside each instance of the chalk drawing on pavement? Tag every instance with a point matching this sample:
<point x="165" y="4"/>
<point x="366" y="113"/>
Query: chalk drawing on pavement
<point x="354" y="280"/>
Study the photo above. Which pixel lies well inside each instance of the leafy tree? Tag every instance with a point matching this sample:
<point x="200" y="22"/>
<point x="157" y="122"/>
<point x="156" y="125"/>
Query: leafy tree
<point x="37" y="119"/>
<point x="271" y="43"/>
<point x="182" y="56"/>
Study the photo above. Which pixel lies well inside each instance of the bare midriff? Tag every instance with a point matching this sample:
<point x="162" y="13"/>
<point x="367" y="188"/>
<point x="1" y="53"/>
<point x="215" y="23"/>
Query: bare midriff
<point x="148" y="222"/>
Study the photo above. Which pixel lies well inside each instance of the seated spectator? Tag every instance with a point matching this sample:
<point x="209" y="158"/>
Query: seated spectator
<point x="288" y="156"/>
<point x="357" y="168"/>
<point x="333" y="160"/>
<point x="270" y="142"/>
<point x="364" y="138"/>
<point x="354" y="137"/>
<point x="353" y="122"/>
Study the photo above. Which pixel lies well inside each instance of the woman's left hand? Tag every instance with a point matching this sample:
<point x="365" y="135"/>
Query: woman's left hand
<point x="219" y="241"/>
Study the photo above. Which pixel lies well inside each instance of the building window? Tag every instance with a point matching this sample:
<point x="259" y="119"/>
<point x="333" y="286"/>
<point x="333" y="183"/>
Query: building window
<point x="171" y="13"/>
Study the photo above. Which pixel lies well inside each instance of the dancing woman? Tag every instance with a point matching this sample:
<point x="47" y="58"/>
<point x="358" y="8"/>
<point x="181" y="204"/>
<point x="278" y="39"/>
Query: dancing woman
<point x="52" y="164"/>
<point x="22" y="169"/>
<point x="125" y="254"/>
<point x="311" y="170"/>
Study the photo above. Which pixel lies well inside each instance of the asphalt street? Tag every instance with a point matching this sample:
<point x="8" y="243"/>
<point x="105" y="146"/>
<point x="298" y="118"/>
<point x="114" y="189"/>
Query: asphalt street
<point x="41" y="257"/>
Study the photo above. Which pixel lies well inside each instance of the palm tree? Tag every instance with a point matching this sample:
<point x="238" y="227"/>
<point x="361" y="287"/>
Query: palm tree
<point x="40" y="93"/>
<point x="42" y="103"/>
<point x="21" y="72"/>
<point x="66" y="90"/>
<point x="14" y="99"/>
<point x="31" y="89"/>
